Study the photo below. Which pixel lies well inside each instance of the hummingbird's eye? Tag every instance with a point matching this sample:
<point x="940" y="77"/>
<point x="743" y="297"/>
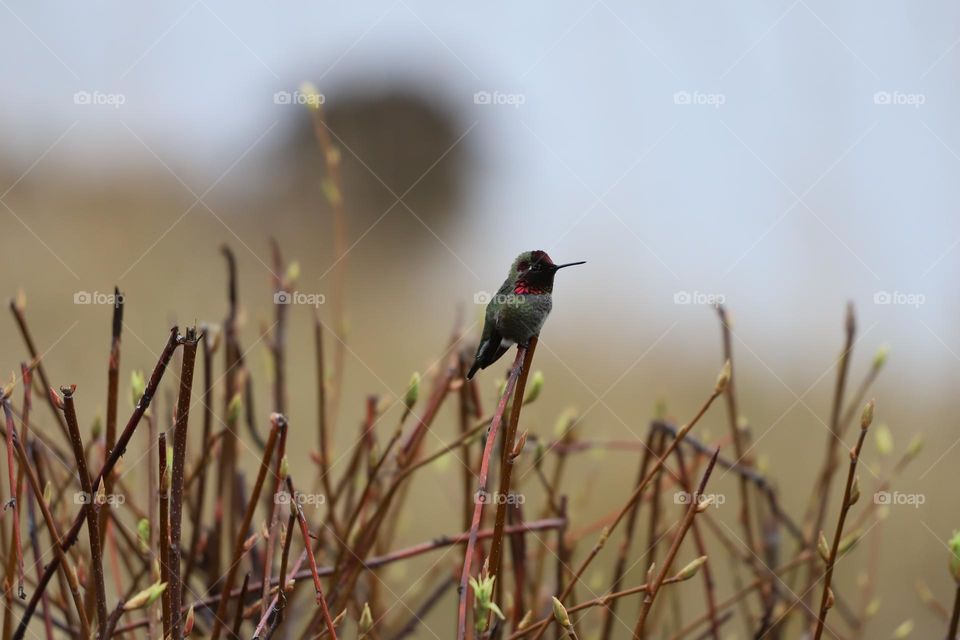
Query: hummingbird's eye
<point x="523" y="266"/>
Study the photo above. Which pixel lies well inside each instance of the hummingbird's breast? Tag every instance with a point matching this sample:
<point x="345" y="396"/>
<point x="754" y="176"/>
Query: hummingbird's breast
<point x="521" y="316"/>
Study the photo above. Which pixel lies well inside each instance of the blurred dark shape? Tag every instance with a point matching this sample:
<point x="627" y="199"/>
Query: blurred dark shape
<point x="391" y="141"/>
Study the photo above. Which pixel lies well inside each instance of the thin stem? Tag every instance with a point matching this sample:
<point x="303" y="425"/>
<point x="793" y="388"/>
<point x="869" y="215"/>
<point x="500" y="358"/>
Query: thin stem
<point x="175" y="587"/>
<point x="507" y="457"/>
<point x="692" y="510"/>
<point x="278" y="423"/>
<point x="848" y="501"/>
<point x="308" y="545"/>
<point x="90" y="498"/>
<point x="63" y="563"/>
<point x="484" y="473"/>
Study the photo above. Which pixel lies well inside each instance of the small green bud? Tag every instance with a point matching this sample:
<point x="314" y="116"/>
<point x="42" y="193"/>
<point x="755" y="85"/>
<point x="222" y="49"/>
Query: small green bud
<point x="366" y="620"/>
<point x="954" y="545"/>
<point x="823" y="548"/>
<point x="146" y="597"/>
<point x="138" y="386"/>
<point x="884" y="439"/>
<point x="96" y="429"/>
<point x="560" y="613"/>
<point x="233" y="409"/>
<point x="284" y="467"/>
<point x="916" y="444"/>
<point x="881" y="356"/>
<point x="536" y="386"/>
<point x="855" y="490"/>
<point x="143" y="530"/>
<point x="413" y="391"/>
<point x="904" y="630"/>
<point x="723" y="379"/>
<point x="692" y="568"/>
<point x="330" y="191"/>
<point x="866" y="418"/>
<point x="293" y="272"/>
<point x="848" y="542"/>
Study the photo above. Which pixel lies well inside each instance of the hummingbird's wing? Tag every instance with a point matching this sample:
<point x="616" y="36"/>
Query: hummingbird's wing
<point x="492" y="346"/>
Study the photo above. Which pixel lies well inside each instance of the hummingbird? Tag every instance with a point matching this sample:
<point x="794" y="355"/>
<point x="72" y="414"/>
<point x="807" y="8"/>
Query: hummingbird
<point x="518" y="310"/>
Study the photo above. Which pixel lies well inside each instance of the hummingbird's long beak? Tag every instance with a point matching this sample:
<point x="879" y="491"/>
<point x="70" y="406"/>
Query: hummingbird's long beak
<point x="569" y="264"/>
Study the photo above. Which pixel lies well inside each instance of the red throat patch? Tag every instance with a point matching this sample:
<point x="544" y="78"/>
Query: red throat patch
<point x="523" y="288"/>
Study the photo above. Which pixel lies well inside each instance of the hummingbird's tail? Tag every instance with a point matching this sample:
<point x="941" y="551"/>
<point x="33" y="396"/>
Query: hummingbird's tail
<point x="488" y="352"/>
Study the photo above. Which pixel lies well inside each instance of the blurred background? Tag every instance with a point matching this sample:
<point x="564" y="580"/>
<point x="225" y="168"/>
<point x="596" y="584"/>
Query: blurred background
<point x="781" y="157"/>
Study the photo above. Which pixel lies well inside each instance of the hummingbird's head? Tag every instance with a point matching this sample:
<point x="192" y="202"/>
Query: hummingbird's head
<point x="533" y="271"/>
